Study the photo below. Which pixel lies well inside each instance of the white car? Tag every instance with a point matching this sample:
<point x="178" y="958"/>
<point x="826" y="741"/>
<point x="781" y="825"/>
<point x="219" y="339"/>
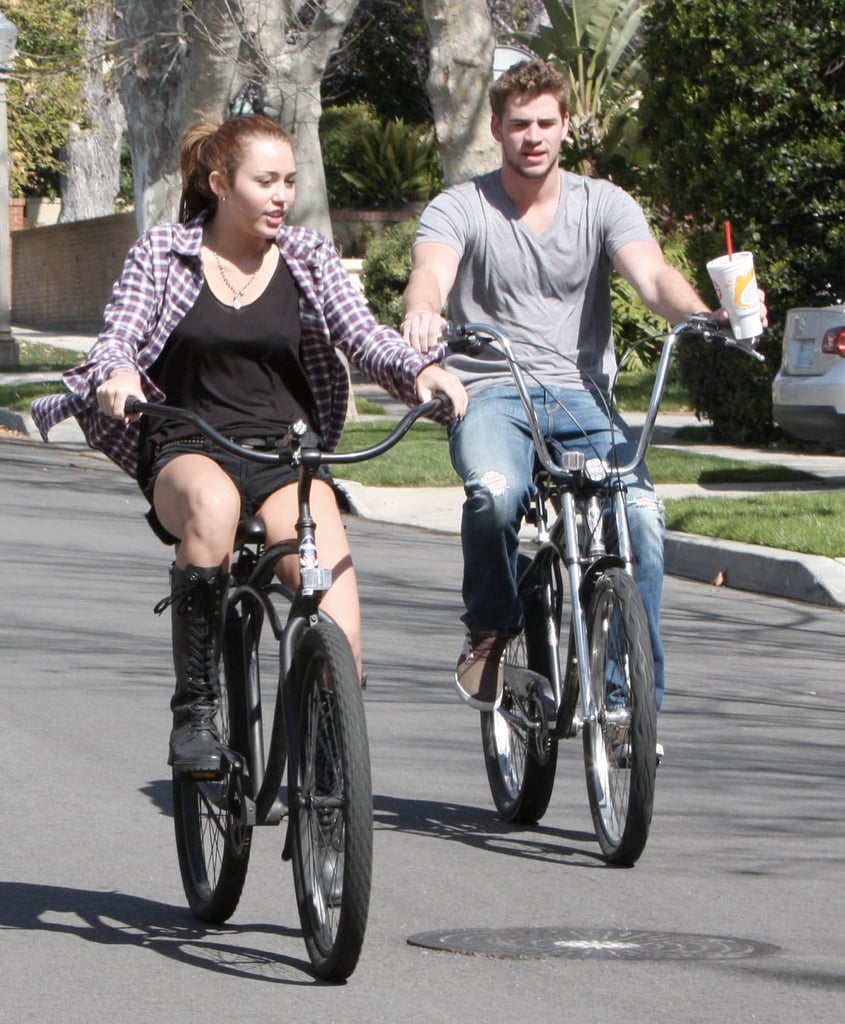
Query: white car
<point x="808" y="392"/>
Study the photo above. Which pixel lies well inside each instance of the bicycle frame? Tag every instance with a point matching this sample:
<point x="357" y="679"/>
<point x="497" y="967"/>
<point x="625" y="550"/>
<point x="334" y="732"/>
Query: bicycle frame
<point x="581" y="489"/>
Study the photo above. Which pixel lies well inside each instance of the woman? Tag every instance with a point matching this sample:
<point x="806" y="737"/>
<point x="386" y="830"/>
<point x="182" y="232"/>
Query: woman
<point x="233" y="314"/>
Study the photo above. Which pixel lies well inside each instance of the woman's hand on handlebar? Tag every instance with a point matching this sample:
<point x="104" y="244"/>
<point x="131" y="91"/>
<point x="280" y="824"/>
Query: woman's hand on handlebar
<point x="121" y="384"/>
<point x="435" y="380"/>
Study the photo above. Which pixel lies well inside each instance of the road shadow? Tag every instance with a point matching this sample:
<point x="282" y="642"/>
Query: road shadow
<point x="120" y="919"/>
<point x="482" y="829"/>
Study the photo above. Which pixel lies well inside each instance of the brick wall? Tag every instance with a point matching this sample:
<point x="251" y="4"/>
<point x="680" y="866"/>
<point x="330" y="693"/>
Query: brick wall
<point x="62" y="275"/>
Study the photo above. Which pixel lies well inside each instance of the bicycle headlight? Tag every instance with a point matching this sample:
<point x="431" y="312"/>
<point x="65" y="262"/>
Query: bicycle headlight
<point x="595" y="470"/>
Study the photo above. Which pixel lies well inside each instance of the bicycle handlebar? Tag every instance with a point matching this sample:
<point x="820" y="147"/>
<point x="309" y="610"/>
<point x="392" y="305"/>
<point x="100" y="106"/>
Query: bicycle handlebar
<point x="472" y="337"/>
<point x="296" y="453"/>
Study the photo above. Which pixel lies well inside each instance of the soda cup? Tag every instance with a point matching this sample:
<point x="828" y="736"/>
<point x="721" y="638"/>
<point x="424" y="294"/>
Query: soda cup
<point x="735" y="282"/>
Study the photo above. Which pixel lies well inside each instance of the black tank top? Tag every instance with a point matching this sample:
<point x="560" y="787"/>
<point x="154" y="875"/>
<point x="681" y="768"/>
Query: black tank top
<point x="241" y="370"/>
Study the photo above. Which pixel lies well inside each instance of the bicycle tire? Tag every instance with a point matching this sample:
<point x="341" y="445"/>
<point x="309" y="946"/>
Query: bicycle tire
<point x="521" y="784"/>
<point x="620" y="740"/>
<point x="332" y="807"/>
<point x="213" y="842"/>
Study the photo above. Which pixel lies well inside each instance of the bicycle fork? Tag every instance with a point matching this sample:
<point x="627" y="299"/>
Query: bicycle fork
<point x="578" y="624"/>
<point x="581" y="581"/>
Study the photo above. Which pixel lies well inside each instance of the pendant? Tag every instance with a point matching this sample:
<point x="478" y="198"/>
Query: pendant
<point x="237" y="303"/>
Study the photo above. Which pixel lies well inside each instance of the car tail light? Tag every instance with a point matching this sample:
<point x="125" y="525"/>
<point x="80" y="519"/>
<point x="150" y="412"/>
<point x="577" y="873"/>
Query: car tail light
<point x="833" y="341"/>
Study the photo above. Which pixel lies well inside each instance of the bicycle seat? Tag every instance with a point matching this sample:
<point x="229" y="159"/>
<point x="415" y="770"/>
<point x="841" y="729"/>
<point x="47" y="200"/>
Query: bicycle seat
<point x="250" y="531"/>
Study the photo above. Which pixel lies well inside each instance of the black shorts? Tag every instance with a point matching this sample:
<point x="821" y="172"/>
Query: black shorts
<point x="255" y="481"/>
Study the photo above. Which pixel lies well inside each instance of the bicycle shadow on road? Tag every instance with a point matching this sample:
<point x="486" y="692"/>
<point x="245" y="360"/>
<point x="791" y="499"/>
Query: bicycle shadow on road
<point x="482" y="829"/>
<point x="120" y="919"/>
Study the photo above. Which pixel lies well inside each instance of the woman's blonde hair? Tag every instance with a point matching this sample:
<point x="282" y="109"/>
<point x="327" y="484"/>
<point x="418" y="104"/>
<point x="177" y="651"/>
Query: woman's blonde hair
<point x="211" y="146"/>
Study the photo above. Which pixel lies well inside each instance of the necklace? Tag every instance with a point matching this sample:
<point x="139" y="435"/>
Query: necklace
<point x="237" y="292"/>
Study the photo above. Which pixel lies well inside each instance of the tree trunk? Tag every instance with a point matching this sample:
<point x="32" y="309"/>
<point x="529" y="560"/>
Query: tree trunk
<point x="462" y="44"/>
<point x="181" y="62"/>
<point x="289" y="56"/>
<point x="176" y="65"/>
<point x="90" y="181"/>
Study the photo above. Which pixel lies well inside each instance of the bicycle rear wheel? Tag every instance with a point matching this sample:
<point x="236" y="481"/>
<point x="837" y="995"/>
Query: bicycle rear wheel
<point x="521" y="776"/>
<point x="213" y="838"/>
<point x="332" y="808"/>
<point x="620" y="741"/>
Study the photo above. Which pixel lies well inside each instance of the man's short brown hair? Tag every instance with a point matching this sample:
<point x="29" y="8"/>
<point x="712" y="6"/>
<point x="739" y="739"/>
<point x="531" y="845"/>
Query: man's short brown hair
<point x="530" y="78"/>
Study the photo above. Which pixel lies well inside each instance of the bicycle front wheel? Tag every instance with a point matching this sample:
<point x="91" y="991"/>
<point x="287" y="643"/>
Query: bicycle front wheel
<point x="213" y="838"/>
<point x="332" y="808"/>
<point x="521" y="776"/>
<point x="620" y="736"/>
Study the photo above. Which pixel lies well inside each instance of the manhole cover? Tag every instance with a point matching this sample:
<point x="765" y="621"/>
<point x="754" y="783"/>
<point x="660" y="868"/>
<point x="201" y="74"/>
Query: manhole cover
<point x="587" y="943"/>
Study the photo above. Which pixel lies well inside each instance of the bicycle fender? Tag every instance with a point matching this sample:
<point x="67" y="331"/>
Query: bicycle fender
<point x="594" y="570"/>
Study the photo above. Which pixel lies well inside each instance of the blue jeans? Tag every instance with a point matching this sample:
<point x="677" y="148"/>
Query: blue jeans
<point x="493" y="452"/>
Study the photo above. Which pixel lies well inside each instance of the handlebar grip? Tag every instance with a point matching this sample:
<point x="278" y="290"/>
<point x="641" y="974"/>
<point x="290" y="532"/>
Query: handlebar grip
<point x="132" y="405"/>
<point x="440" y="402"/>
<point x="462" y="338"/>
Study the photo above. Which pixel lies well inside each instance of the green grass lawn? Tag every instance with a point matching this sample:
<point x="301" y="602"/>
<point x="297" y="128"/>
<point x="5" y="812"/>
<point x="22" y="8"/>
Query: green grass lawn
<point x="633" y="391"/>
<point x="811" y="523"/>
<point x="17" y="397"/>
<point x="421" y="459"/>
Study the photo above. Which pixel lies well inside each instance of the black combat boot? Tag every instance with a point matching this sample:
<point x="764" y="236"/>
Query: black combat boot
<point x="195" y="602"/>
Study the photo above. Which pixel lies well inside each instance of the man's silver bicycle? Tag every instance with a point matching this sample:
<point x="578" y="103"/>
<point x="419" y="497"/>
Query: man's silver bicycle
<point x="577" y="589"/>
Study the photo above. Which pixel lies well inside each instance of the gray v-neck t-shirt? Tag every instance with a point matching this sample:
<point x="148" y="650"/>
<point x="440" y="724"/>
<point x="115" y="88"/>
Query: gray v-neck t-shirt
<point x="548" y="293"/>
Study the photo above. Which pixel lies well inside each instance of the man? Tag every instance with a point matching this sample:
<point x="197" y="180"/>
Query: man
<point x="529" y="248"/>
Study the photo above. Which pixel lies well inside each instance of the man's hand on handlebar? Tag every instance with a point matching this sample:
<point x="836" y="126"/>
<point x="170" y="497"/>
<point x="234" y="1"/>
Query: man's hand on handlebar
<point x="122" y="383"/>
<point x="422" y="330"/>
<point x="435" y="380"/>
<point x="722" y="317"/>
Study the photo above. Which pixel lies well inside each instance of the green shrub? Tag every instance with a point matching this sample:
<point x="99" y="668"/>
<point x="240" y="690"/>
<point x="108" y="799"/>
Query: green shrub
<point x="749" y="129"/>
<point x="386" y="269"/>
<point x="396" y="164"/>
<point x="341" y="129"/>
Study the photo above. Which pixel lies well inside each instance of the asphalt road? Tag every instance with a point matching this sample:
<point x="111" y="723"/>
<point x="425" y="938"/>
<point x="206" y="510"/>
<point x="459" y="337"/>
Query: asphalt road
<point x="745" y="852"/>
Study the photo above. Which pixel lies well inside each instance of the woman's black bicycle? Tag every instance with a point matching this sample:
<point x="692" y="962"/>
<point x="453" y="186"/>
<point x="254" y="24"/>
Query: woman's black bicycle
<point x="318" y="732"/>
<point x="578" y="585"/>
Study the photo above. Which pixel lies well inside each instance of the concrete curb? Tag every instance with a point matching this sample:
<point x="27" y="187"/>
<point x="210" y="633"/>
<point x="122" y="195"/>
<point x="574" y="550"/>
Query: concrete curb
<point x="762" y="570"/>
<point x="12" y="421"/>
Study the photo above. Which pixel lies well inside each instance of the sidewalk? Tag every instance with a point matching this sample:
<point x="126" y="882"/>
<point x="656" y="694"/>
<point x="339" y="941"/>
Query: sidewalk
<point x="754" y="568"/>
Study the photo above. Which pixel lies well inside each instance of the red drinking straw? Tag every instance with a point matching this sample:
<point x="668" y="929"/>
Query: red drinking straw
<point x="729" y="240"/>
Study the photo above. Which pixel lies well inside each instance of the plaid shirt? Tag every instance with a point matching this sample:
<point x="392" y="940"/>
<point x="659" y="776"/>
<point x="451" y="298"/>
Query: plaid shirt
<point x="161" y="280"/>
